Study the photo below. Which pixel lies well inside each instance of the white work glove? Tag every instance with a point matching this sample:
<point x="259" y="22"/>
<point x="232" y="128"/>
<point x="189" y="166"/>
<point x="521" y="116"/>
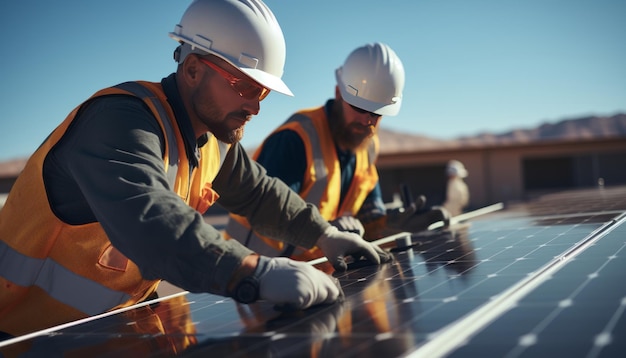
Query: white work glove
<point x="349" y="223"/>
<point x="294" y="284"/>
<point x="338" y="245"/>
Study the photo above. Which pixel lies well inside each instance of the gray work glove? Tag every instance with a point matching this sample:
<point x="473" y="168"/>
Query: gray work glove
<point x="294" y="284"/>
<point x="410" y="219"/>
<point x="349" y="223"/>
<point x="339" y="245"/>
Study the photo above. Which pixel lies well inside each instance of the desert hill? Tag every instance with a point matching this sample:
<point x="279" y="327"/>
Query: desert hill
<point x="571" y="129"/>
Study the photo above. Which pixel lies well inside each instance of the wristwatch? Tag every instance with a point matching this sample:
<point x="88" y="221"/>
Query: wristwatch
<point x="247" y="290"/>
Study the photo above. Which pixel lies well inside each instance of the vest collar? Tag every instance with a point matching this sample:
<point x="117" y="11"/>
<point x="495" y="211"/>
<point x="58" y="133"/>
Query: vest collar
<point x="192" y="144"/>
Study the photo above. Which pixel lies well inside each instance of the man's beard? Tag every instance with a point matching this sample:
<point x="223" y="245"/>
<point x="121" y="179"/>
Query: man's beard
<point x="343" y="134"/>
<point x="220" y="128"/>
<point x="228" y="136"/>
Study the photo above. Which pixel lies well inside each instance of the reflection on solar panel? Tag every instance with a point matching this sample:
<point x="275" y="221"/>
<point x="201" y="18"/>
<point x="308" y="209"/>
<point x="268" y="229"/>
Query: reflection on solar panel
<point x="542" y="279"/>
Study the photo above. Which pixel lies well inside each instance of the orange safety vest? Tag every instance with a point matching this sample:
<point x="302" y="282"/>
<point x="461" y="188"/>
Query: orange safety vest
<point x="321" y="184"/>
<point x="52" y="272"/>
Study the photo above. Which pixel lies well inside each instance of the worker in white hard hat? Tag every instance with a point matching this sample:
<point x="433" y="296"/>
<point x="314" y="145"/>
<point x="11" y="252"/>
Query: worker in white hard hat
<point x="457" y="193"/>
<point x="327" y="155"/>
<point x="112" y="202"/>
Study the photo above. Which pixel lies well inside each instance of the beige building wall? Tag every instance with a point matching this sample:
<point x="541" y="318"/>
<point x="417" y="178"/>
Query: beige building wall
<point x="496" y="173"/>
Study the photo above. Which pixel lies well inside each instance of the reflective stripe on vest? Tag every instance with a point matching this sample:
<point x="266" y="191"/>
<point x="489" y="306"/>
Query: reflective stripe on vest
<point x="321" y="174"/>
<point x="58" y="282"/>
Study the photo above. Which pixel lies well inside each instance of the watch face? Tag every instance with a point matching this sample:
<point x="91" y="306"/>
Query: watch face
<point x="247" y="290"/>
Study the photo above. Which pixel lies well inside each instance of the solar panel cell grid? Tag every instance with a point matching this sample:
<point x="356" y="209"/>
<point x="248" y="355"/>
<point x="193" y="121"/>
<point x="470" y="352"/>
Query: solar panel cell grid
<point x="577" y="311"/>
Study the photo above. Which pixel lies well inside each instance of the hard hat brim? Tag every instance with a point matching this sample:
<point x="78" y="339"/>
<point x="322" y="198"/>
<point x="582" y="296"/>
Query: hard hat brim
<point x="267" y="80"/>
<point x="382" y="109"/>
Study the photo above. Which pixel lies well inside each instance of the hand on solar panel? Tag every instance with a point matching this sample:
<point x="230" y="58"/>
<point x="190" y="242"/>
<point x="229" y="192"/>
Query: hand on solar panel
<point x="295" y="284"/>
<point x="339" y="246"/>
<point x="349" y="223"/>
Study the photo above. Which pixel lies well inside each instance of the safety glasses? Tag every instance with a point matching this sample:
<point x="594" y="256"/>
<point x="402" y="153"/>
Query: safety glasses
<point x="247" y="89"/>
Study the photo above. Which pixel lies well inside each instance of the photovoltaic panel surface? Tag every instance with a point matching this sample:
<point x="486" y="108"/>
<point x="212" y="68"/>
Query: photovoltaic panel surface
<point x="575" y="311"/>
<point x="541" y="279"/>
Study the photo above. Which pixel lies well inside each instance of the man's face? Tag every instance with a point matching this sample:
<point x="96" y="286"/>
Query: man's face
<point x="225" y="100"/>
<point x="353" y="126"/>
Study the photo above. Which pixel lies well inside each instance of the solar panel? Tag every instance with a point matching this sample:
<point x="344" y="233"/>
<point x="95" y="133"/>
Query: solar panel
<point x="539" y="279"/>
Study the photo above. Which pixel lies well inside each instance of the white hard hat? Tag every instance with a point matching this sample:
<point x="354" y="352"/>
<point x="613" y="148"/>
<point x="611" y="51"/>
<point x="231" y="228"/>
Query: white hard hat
<point x="244" y="33"/>
<point x="456" y="168"/>
<point x="372" y="78"/>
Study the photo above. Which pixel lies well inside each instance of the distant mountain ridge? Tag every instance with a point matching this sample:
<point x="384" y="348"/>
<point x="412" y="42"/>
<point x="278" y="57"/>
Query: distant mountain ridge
<point x="592" y="127"/>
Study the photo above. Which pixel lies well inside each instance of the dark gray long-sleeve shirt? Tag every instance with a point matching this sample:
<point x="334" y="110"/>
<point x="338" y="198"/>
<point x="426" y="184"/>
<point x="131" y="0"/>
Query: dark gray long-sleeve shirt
<point x="109" y="168"/>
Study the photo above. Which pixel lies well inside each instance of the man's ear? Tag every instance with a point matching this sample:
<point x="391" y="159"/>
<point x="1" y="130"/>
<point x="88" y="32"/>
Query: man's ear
<point x="191" y="70"/>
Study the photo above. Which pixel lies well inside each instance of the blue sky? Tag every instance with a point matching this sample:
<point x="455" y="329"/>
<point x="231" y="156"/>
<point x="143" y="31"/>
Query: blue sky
<point x="471" y="65"/>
